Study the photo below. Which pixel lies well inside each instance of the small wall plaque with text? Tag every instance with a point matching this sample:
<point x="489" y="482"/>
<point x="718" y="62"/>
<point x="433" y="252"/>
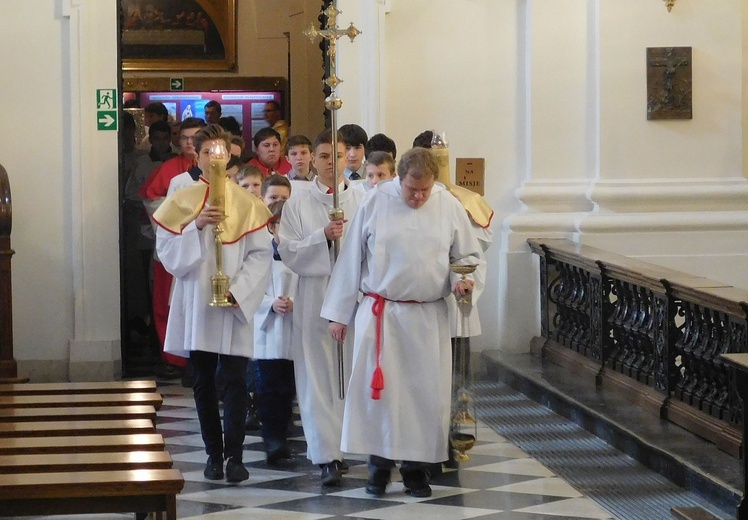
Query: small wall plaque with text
<point x="470" y="174"/>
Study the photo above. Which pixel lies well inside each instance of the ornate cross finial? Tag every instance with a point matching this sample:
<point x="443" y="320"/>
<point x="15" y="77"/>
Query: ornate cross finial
<point x="331" y="34"/>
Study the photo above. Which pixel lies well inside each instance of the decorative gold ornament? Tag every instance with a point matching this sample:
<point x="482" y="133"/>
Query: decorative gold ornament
<point x="669" y="4"/>
<point x="219" y="282"/>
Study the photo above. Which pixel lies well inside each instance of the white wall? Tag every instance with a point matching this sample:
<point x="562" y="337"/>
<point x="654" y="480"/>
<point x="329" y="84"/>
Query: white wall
<point x="553" y="95"/>
<point x="40" y="184"/>
<point x="709" y="145"/>
<point x="63" y="175"/>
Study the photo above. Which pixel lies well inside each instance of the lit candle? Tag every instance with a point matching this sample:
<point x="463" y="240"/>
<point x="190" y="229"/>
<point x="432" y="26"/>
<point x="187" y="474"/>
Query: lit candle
<point x="217" y="175"/>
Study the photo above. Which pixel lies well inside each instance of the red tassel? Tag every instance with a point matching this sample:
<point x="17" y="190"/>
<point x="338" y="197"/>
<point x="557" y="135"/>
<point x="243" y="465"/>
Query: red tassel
<point x="377" y="383"/>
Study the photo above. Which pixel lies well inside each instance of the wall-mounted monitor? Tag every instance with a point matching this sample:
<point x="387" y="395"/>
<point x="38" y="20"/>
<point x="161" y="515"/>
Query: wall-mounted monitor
<point x="246" y="106"/>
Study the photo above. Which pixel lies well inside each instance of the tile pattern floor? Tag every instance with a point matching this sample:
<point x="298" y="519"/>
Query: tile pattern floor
<point x="499" y="482"/>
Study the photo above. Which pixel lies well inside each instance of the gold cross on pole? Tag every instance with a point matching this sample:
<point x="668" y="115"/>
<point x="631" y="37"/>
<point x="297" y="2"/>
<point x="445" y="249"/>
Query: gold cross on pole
<point x="333" y="103"/>
<point x="331" y="34"/>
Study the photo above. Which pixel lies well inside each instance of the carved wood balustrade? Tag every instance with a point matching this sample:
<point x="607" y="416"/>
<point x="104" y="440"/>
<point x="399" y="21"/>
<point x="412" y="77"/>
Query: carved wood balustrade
<point x="654" y="334"/>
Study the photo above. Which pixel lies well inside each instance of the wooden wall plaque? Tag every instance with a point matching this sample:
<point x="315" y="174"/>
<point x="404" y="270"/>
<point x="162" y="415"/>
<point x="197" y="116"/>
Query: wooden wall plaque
<point x="470" y="174"/>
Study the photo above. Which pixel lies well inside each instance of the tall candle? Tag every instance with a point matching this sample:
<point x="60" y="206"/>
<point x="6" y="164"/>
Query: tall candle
<point x="217" y="175"/>
<point x="440" y="148"/>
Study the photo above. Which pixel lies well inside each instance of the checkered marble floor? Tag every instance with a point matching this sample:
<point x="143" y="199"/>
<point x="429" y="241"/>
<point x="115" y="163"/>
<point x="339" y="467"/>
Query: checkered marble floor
<point x="499" y="481"/>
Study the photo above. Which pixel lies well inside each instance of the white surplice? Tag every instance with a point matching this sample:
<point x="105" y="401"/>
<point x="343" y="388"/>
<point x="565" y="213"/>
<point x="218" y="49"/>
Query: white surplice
<point x="404" y="255"/>
<point x="305" y="250"/>
<point x="273" y="331"/>
<point x="195" y="325"/>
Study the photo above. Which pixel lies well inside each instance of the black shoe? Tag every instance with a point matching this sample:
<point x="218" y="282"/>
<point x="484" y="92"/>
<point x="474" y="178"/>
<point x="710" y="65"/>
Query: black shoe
<point x="344" y="468"/>
<point x="416" y="483"/>
<point x="277" y="450"/>
<point x="214" y="468"/>
<point x="332" y="474"/>
<point x="251" y="423"/>
<point x="377" y="483"/>
<point x="235" y="470"/>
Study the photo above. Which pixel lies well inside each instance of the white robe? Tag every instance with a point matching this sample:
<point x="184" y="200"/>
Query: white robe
<point x="403" y="254"/>
<point x="273" y="331"/>
<point x="195" y="325"/>
<point x="303" y="248"/>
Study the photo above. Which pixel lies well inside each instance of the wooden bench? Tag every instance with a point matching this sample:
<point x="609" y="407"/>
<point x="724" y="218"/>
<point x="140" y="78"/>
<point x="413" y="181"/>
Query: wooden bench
<point x="74" y="462"/>
<point x="75" y="448"/>
<point x="106" y="387"/>
<point x="91" y="444"/>
<point x="78" y="413"/>
<point x="70" y="428"/>
<point x="48" y="401"/>
<point x="84" y="492"/>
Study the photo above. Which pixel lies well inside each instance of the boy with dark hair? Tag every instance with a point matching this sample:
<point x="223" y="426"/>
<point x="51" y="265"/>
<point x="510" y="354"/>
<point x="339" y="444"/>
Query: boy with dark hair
<point x="381" y="143"/>
<point x="268" y="147"/>
<point x="354" y="138"/>
<point x="299" y="155"/>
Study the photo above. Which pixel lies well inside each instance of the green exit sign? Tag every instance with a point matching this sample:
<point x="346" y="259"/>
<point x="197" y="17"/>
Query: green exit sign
<point x="176" y="84"/>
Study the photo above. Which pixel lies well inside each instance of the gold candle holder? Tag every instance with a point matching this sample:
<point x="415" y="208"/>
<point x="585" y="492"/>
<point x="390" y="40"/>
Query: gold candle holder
<point x="217" y="176"/>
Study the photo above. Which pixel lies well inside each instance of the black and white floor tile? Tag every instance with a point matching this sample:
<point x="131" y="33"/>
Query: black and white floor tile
<point x="499" y="482"/>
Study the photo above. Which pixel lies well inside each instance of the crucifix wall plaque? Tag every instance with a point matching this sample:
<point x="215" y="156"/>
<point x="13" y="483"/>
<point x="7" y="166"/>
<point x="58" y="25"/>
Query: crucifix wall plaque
<point x="669" y="83"/>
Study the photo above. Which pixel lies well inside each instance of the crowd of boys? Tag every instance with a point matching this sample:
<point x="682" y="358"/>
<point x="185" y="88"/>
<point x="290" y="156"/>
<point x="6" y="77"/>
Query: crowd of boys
<point x="292" y="302"/>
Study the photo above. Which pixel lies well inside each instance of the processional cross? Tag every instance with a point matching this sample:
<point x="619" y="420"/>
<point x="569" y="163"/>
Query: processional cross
<point x="333" y="103"/>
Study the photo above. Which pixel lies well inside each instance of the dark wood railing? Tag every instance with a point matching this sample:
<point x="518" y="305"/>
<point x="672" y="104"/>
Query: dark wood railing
<point x="8" y="366"/>
<point x="654" y="334"/>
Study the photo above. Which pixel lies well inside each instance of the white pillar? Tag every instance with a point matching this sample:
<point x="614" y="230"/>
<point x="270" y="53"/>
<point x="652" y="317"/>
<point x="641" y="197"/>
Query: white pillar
<point x="93" y="165"/>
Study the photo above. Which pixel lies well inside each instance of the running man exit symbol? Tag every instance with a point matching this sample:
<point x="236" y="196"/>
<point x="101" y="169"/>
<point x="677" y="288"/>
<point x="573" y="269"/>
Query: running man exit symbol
<point x="106" y="99"/>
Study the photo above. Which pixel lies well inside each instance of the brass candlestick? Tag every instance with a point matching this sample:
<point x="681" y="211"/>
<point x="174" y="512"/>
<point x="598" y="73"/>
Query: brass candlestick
<point x="463" y="431"/>
<point x="219" y="282"/>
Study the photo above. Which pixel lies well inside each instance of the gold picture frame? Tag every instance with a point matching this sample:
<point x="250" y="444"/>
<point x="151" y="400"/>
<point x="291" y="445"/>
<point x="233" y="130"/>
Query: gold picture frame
<point x="189" y="35"/>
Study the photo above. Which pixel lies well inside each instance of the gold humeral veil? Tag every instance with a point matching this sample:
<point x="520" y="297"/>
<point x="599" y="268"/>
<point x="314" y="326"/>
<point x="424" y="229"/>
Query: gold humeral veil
<point x="246" y="213"/>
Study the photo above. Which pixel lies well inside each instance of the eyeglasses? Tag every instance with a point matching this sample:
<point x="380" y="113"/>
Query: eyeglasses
<point x="185" y="139"/>
<point x="267" y="110"/>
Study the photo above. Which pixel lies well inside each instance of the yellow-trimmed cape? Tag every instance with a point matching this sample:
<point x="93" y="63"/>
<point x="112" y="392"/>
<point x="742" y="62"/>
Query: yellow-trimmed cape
<point x="245" y="212"/>
<point x="475" y="205"/>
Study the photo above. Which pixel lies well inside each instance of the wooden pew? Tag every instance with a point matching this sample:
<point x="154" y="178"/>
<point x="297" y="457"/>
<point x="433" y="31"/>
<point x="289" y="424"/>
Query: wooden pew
<point x="74" y="462"/>
<point x="106" y="387"/>
<point x="78" y="413"/>
<point x="70" y="428"/>
<point x="91" y="444"/>
<point x="70" y="400"/>
<point x="75" y="448"/>
<point x="91" y="492"/>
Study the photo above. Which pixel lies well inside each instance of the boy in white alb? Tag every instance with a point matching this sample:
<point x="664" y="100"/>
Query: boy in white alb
<point x="306" y="247"/>
<point x="274" y="376"/>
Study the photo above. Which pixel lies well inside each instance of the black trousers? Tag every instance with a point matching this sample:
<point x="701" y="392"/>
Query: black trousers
<point x="276" y="388"/>
<point x="227" y="442"/>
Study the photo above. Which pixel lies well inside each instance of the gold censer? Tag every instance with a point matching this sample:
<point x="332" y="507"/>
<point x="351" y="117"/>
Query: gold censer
<point x="463" y="429"/>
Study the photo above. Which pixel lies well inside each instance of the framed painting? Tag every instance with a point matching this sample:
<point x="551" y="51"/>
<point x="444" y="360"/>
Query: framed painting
<point x="178" y="34"/>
